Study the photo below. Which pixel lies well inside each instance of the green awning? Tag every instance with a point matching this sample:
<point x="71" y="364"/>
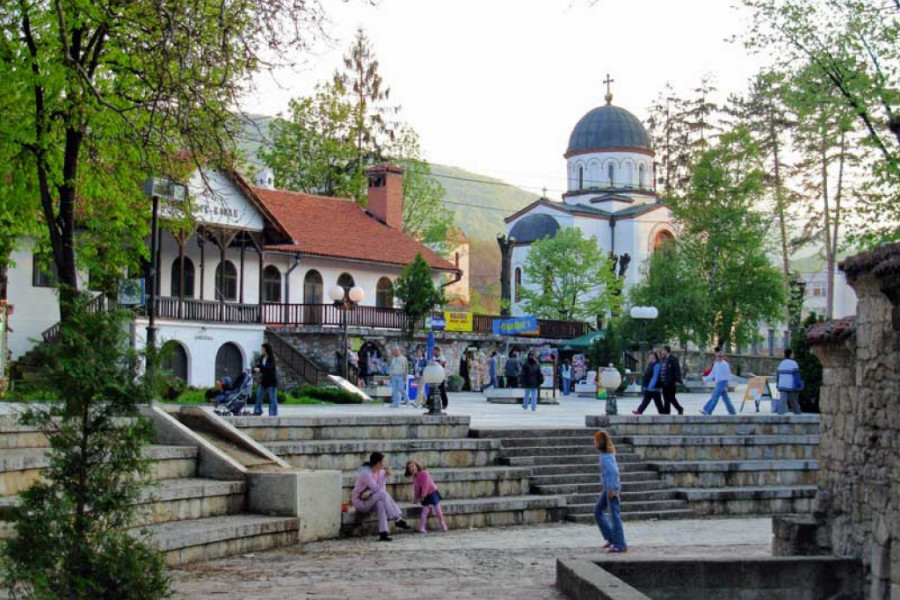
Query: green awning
<point x="582" y="342"/>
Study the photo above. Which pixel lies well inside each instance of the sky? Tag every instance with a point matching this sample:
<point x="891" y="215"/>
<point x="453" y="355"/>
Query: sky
<point x="496" y="86"/>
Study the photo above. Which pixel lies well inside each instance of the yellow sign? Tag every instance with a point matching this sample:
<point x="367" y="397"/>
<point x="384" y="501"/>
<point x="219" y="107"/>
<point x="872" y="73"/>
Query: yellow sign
<point x="457" y="321"/>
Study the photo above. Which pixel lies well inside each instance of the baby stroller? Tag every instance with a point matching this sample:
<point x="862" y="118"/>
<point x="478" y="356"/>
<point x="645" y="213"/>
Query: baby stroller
<point x="235" y="397"/>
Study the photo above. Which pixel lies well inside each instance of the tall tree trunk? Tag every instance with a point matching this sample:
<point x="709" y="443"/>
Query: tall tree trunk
<point x="779" y="202"/>
<point x="829" y="256"/>
<point x="833" y="232"/>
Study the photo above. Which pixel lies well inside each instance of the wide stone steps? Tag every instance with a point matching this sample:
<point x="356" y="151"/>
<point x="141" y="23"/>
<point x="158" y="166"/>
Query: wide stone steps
<point x="588" y="518"/>
<point x="214" y="537"/>
<point x="549" y="451"/>
<point x="629" y="496"/>
<point x="470" y="513"/>
<point x="456" y="483"/>
<point x="750" y="500"/>
<point x="713" y="448"/>
<point x="633" y="508"/>
<point x="719" y="425"/>
<point x="736" y="473"/>
<point x="347" y="455"/>
<point x="588" y="476"/>
<point x="534" y="442"/>
<point x="570" y="460"/>
<point x="513" y="433"/>
<point x="394" y="427"/>
<point x="190" y="498"/>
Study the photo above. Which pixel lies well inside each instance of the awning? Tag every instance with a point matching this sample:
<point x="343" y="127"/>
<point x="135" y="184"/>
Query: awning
<point x="582" y="342"/>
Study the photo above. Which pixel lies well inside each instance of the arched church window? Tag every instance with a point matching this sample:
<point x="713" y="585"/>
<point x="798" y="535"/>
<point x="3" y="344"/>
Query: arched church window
<point x="517" y="284"/>
<point x="580" y="178"/>
<point x="661" y="239"/>
<point x="642" y="176"/>
<point x="611" y="175"/>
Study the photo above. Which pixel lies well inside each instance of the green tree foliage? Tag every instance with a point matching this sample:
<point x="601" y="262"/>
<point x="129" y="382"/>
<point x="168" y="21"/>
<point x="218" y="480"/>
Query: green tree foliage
<point x="609" y="348"/>
<point x="96" y="96"/>
<point x="724" y="242"/>
<point x="567" y="276"/>
<point x="329" y="139"/>
<point x="417" y="292"/>
<point x="810" y="366"/>
<point x="72" y="537"/>
<point x="852" y="45"/>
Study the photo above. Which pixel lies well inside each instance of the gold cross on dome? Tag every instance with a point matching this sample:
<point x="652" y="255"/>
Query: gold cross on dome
<point x="608" y="81"/>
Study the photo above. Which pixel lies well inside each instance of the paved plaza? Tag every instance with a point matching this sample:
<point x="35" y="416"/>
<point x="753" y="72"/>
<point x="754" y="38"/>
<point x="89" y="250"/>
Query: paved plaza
<point x="513" y="562"/>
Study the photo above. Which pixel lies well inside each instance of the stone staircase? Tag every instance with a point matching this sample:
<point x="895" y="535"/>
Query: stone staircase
<point x="477" y="490"/>
<point x="188" y="517"/>
<point x="564" y="462"/>
<point x="727" y="465"/>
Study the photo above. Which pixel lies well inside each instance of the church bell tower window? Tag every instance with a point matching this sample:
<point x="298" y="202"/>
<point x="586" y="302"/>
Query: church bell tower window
<point x="611" y="171"/>
<point x="580" y="178"/>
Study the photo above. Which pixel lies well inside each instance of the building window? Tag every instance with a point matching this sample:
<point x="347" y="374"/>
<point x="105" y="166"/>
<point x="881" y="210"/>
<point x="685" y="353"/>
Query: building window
<point x="271" y="284"/>
<point x="518" y="284"/>
<point x="312" y="288"/>
<point x="346" y="281"/>
<point x="226" y="281"/>
<point x="611" y="175"/>
<point x="174" y="360"/>
<point x="642" y="176"/>
<point x="771" y="342"/>
<point x="580" y="178"/>
<point x="188" y="278"/>
<point x="663" y="237"/>
<point x="229" y="361"/>
<point x="384" y="293"/>
<point x="43" y="276"/>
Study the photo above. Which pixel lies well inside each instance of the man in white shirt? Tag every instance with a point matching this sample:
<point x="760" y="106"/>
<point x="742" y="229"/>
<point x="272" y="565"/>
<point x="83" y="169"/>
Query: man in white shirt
<point x="789" y="384"/>
<point x="399" y="369"/>
<point x="440" y="359"/>
<point x="721" y="375"/>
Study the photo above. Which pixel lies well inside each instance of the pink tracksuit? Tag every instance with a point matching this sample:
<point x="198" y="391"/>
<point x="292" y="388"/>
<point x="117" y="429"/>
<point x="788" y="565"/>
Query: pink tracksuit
<point x="424" y="491"/>
<point x="380" y="500"/>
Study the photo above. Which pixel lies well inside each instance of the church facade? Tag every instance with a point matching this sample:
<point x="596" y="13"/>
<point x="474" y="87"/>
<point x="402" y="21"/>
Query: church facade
<point x="610" y="196"/>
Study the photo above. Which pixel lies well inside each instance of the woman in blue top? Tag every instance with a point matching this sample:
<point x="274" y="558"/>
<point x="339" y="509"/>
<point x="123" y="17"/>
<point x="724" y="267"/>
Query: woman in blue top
<point x="650" y="385"/>
<point x="610" y="492"/>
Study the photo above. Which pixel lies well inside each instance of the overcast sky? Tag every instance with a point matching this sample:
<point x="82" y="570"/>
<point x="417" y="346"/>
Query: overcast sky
<point x="496" y="86"/>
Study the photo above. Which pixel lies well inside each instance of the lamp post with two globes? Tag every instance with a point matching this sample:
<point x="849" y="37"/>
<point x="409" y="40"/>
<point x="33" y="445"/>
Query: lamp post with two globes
<point x="346" y="299"/>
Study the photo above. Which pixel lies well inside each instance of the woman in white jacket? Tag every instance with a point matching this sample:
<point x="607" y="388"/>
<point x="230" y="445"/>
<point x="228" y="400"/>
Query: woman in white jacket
<point x="721" y="375"/>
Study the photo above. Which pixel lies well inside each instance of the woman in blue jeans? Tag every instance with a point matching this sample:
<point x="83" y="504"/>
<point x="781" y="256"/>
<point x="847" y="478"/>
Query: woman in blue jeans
<point x="611" y="489"/>
<point x="268" y="381"/>
<point x="721" y="375"/>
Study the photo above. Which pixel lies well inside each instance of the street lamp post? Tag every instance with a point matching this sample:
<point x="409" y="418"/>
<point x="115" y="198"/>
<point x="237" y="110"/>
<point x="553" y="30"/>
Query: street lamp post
<point x="174" y="192"/>
<point x="433" y="375"/>
<point x="346" y="300"/>
<point x="644" y="314"/>
<point x="611" y="379"/>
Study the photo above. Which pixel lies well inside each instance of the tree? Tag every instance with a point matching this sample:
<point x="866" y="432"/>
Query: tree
<point x="72" y="537"/>
<point x="97" y="96"/>
<point x="810" y="365"/>
<point x="567" y="276"/>
<point x="724" y="240"/>
<point x="853" y="46"/>
<point x="417" y="293"/>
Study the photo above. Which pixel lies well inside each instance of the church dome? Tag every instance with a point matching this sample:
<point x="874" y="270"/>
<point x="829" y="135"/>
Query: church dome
<point x="533" y="228"/>
<point x="607" y="127"/>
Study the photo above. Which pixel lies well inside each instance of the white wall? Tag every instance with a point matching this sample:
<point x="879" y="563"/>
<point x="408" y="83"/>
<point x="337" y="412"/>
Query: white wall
<point x="626" y="170"/>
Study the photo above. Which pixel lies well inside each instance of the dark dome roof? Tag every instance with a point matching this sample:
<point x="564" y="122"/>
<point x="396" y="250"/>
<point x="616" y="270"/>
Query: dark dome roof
<point x="534" y="227"/>
<point x="608" y="127"/>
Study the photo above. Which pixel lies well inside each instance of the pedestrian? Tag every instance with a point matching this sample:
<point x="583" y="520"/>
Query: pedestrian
<point x="532" y="379"/>
<point x="363" y="365"/>
<point x="268" y="381"/>
<point x="419" y="372"/>
<point x="721" y="375"/>
<point x="399" y="370"/>
<point x="565" y="372"/>
<point x="425" y="492"/>
<point x="650" y="386"/>
<point x="513" y="370"/>
<point x="670" y="377"/>
<point x="789" y="383"/>
<point x="440" y="359"/>
<point x="610" y="495"/>
<point x="370" y="494"/>
<point x="492" y="369"/>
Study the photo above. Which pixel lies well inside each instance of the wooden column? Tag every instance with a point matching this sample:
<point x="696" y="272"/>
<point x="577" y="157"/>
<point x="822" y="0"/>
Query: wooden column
<point x="202" y="244"/>
<point x="241" y="278"/>
<point x="261" y="268"/>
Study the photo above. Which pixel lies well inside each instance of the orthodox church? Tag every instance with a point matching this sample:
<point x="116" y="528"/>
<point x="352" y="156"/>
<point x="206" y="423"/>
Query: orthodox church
<point x="610" y="196"/>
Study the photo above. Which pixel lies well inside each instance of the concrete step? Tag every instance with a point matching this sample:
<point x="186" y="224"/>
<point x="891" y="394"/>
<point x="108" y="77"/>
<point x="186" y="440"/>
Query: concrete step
<point x="188" y="499"/>
<point x="348" y="455"/>
<point x="550" y="451"/>
<point x="15" y="435"/>
<point x="214" y="537"/>
<point x="629" y="496"/>
<point x="560" y="467"/>
<point x="594" y="487"/>
<point x="471" y="513"/>
<point x="660" y="515"/>
<point x="736" y="473"/>
<point x="702" y="448"/>
<point x="473" y="482"/>
<point x="502" y="433"/>
<point x="569" y="460"/>
<point x="21" y="467"/>
<point x="650" y="506"/>
<point x="414" y="426"/>
<point x="537" y="442"/>
<point x="589" y="476"/>
<point x="707" y="425"/>
<point x="739" y="501"/>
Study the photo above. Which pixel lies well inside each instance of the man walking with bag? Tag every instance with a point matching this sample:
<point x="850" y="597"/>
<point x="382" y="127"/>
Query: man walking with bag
<point x="670" y="376"/>
<point x="789" y="384"/>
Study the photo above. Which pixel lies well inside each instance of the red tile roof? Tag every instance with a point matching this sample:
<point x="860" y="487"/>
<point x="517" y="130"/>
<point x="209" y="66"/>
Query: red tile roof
<point x="340" y="228"/>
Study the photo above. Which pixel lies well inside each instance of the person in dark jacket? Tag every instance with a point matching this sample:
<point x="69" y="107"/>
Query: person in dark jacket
<point x="670" y="377"/>
<point x="650" y="386"/>
<point x="532" y="378"/>
<point x="513" y="370"/>
<point x="268" y="381"/>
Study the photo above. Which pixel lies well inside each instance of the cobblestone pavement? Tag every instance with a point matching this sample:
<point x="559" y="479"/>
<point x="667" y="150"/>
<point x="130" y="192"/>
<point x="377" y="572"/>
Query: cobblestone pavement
<point x="513" y="562"/>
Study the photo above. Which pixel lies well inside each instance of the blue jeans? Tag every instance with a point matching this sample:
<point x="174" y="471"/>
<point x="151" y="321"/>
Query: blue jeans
<point x="567" y="385"/>
<point x="398" y="389"/>
<point x="531" y="394"/>
<point x="273" y="400"/>
<point x="610" y="527"/>
<point x="721" y="391"/>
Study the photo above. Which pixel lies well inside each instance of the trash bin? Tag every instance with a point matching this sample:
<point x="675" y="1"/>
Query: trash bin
<point x="412" y="387"/>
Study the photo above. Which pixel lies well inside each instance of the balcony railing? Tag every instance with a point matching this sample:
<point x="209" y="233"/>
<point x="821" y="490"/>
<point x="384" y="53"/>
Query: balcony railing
<point x="328" y="315"/>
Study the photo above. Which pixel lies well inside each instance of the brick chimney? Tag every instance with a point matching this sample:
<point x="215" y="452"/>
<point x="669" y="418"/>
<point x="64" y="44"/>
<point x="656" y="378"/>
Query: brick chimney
<point x="385" y="195"/>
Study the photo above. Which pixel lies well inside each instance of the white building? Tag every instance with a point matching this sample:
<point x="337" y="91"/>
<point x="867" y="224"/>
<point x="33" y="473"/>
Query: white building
<point x="257" y="258"/>
<point x="610" y="196"/>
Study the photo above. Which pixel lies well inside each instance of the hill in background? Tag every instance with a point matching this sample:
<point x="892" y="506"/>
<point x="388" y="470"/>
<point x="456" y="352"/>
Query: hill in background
<point x="479" y="204"/>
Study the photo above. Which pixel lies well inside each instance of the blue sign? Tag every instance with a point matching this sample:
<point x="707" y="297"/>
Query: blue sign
<point x="438" y="323"/>
<point x="515" y="325"/>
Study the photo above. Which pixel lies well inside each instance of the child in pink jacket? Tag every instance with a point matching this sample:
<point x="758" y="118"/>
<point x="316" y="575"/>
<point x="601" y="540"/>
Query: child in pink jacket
<point x="426" y="492"/>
